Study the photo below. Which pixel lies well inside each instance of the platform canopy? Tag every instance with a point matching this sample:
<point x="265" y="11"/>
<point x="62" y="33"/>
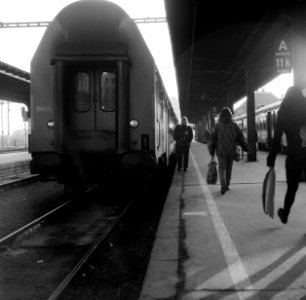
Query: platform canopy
<point x="14" y="84"/>
<point x="217" y="44"/>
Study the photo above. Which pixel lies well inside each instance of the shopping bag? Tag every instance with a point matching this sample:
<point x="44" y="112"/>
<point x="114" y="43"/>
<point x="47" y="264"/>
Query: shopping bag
<point x="236" y="156"/>
<point x="268" y="192"/>
<point x="212" y="174"/>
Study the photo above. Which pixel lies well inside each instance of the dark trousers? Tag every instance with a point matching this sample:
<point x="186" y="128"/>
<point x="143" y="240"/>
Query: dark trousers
<point x="225" y="169"/>
<point x="182" y="155"/>
<point x="293" y="179"/>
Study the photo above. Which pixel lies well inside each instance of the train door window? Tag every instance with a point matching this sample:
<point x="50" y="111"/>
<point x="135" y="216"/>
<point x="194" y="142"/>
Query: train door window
<point x="81" y="99"/>
<point x="108" y="91"/>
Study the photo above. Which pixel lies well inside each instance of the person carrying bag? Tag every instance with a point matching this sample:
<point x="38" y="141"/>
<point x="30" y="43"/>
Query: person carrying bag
<point x="223" y="141"/>
<point x="290" y="121"/>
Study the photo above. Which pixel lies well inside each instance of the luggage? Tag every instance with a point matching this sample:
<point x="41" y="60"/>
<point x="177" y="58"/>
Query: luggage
<point x="268" y="192"/>
<point x="212" y="174"/>
<point x="237" y="155"/>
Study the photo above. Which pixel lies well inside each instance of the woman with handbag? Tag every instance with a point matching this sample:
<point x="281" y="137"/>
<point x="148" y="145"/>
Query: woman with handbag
<point x="223" y="141"/>
<point x="291" y="121"/>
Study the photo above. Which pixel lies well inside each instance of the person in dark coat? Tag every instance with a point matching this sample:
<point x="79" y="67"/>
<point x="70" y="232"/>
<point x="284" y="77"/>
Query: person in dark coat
<point x="225" y="136"/>
<point x="183" y="136"/>
<point x="291" y="120"/>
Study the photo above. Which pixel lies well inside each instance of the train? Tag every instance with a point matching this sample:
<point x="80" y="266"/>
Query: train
<point x="265" y="122"/>
<point x="99" y="110"/>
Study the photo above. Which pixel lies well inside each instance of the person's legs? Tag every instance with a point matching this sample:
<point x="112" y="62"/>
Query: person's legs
<point x="186" y="156"/>
<point x="229" y="167"/>
<point x="293" y="178"/>
<point x="222" y="173"/>
<point x="179" y="157"/>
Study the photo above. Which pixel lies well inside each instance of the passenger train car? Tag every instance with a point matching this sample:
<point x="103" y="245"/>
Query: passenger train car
<point x="265" y="121"/>
<point x="99" y="108"/>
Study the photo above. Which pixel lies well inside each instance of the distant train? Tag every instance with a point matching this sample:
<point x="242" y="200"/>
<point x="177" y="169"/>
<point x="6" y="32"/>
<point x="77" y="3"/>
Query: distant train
<point x="99" y="109"/>
<point x="265" y="122"/>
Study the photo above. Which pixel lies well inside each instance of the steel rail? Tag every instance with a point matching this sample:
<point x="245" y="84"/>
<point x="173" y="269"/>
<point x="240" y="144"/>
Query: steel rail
<point x="60" y="289"/>
<point x="38" y="220"/>
<point x="31" y="224"/>
<point x="17" y="181"/>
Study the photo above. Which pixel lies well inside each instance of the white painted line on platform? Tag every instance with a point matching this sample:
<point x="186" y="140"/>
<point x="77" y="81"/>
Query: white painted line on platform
<point x="235" y="266"/>
<point x="195" y="213"/>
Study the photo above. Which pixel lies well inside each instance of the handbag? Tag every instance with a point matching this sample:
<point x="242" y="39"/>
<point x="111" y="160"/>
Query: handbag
<point x="237" y="155"/>
<point x="268" y="192"/>
<point x="212" y="174"/>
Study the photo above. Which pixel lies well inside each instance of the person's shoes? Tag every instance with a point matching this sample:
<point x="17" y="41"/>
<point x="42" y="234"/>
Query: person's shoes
<point x="185" y="169"/>
<point x="227" y="188"/>
<point x="282" y="215"/>
<point x="223" y="190"/>
<point x="179" y="169"/>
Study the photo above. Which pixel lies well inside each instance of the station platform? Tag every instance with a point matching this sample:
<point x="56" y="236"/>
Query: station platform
<point x="14" y="162"/>
<point x="213" y="246"/>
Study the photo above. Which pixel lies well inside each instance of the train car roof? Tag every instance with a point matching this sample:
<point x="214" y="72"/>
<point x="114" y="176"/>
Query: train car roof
<point x="265" y="108"/>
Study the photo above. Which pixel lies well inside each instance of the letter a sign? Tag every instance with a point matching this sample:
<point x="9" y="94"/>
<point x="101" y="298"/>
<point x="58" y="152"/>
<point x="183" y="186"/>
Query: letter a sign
<point x="283" y="56"/>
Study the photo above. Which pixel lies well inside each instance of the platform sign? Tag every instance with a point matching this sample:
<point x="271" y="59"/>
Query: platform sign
<point x="283" y="56"/>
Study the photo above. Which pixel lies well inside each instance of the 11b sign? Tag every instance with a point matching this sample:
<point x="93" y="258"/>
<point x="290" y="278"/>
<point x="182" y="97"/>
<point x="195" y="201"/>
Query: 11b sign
<point x="283" y="57"/>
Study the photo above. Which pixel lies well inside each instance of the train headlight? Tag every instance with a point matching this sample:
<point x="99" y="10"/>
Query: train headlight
<point x="51" y="124"/>
<point x="133" y="123"/>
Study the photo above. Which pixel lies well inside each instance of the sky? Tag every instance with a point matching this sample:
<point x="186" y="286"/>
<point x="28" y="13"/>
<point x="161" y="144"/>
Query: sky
<point x="18" y="45"/>
<point x="277" y="86"/>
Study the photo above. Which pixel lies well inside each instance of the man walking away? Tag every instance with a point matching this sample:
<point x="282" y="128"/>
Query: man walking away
<point x="183" y="136"/>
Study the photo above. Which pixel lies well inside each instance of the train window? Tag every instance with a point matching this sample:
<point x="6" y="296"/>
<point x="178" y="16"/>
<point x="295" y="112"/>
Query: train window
<point x="81" y="101"/>
<point x="108" y="91"/>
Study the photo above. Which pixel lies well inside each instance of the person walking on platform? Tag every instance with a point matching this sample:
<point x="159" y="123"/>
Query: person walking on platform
<point x="183" y="136"/>
<point x="223" y="141"/>
<point x="291" y="120"/>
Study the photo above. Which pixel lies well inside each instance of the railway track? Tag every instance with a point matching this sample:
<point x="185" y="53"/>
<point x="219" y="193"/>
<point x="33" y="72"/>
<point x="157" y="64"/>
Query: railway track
<point x="39" y="260"/>
<point x="16" y="179"/>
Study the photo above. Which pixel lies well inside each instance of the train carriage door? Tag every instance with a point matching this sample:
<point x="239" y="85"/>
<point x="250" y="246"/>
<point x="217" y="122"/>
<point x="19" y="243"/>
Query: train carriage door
<point x="92" y="109"/>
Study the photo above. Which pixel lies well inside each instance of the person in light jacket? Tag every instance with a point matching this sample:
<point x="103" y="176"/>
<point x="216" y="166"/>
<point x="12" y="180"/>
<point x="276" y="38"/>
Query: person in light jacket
<point x="291" y="120"/>
<point x="224" y="139"/>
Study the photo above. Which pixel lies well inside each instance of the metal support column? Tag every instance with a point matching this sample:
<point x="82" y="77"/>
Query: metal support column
<point x="2" y="129"/>
<point x="251" y="115"/>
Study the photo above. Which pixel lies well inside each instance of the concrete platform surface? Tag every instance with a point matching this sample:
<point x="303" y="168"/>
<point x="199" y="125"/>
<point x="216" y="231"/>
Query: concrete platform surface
<point x="213" y="246"/>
